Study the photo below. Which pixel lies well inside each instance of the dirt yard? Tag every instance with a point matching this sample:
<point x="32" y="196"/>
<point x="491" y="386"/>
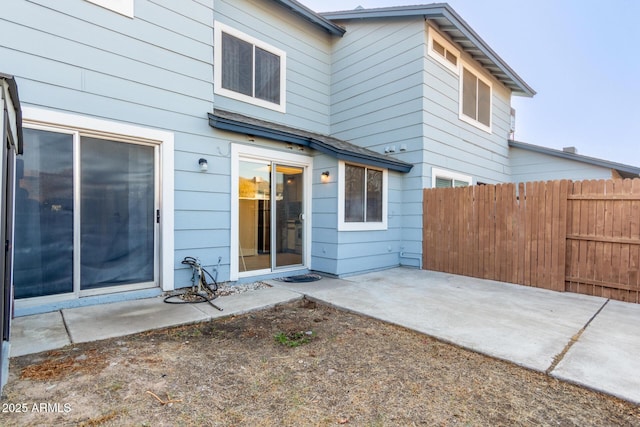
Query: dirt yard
<point x="300" y="364"/>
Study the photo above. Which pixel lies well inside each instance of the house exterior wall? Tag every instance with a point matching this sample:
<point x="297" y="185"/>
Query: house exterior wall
<point x="308" y="51"/>
<point x="156" y="70"/>
<point x="376" y="87"/>
<point x="388" y="92"/>
<point x="528" y="166"/>
<point x="376" y="102"/>
<point x="153" y="71"/>
<point x="454" y="145"/>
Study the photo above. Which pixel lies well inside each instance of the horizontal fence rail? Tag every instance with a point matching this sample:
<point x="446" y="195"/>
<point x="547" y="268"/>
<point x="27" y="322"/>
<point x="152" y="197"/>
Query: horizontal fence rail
<point x="578" y="236"/>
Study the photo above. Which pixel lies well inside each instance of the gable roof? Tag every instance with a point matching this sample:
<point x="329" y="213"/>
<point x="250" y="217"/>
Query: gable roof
<point x="626" y="171"/>
<point x="312" y="17"/>
<point x="448" y="21"/>
<point x="329" y="145"/>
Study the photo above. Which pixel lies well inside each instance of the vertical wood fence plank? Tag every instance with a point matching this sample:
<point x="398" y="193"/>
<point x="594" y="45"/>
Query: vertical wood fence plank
<point x="616" y="247"/>
<point x="498" y="259"/>
<point x="634" y="251"/>
<point x="521" y="206"/>
<point x="512" y="233"/>
<point x="467" y="235"/>
<point x="540" y="232"/>
<point x="484" y="232"/>
<point x="528" y="234"/>
<point x="561" y="239"/>
<point x="625" y="233"/>
<point x="554" y="235"/>
<point x="426" y="224"/>
<point x="607" y="246"/>
<point x="575" y="261"/>
<point x="443" y="230"/>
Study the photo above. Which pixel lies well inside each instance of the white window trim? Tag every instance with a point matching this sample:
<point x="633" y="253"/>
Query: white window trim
<point x="123" y="7"/>
<point x="37" y="116"/>
<point x="361" y="226"/>
<point x="219" y="28"/>
<point x="481" y="77"/>
<point x="434" y="35"/>
<point x="246" y="152"/>
<point x="446" y="174"/>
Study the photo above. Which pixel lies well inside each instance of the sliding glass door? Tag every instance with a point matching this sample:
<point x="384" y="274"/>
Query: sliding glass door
<point x="270" y="216"/>
<point x="85" y="214"/>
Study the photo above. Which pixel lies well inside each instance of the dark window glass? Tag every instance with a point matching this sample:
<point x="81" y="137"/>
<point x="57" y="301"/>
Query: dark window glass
<point x="469" y="94"/>
<point x="363" y="194"/>
<point x="484" y="103"/>
<point x="267" y="76"/>
<point x="237" y="65"/>
<point x="43" y="262"/>
<point x="374" y="195"/>
<point x="354" y="194"/>
<point x="117" y="213"/>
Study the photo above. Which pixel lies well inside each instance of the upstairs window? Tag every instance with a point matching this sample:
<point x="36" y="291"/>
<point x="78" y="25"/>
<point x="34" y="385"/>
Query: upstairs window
<point x="249" y="70"/>
<point x="475" y="102"/>
<point x="443" y="51"/>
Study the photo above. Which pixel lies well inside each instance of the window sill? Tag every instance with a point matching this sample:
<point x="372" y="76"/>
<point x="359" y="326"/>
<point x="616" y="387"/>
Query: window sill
<point x="362" y="226"/>
<point x="475" y="123"/>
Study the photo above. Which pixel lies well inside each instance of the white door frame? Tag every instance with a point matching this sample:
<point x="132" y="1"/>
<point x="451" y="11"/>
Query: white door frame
<point x="246" y="152"/>
<point x="37" y="117"/>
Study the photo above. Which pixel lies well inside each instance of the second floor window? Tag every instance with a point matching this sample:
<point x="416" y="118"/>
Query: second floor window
<point x="249" y="70"/>
<point x="476" y="100"/>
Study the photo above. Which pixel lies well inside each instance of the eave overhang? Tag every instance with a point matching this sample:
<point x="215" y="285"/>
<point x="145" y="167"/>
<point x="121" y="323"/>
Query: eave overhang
<point x="626" y="171"/>
<point x="342" y="150"/>
<point x="312" y="17"/>
<point x="449" y="22"/>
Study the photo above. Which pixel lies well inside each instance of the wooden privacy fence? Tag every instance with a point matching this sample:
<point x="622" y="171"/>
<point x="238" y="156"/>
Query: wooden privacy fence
<point x="581" y="236"/>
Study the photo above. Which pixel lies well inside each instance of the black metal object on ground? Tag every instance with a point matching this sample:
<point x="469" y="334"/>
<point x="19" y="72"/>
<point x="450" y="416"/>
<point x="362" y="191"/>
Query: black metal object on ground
<point x="301" y="278"/>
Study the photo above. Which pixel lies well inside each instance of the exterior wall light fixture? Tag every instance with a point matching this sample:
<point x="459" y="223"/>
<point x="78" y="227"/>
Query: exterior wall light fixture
<point x="324" y="178"/>
<point x="204" y="166"/>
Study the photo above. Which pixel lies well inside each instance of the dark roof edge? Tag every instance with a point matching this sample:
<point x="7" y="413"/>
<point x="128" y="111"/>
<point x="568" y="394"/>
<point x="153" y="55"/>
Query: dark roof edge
<point x="312" y="17"/>
<point x="576" y="157"/>
<point x="437" y="10"/>
<point x="15" y="99"/>
<point x="306" y="139"/>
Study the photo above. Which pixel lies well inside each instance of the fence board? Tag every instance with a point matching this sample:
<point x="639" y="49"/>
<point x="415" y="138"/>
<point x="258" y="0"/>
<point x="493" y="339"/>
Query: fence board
<point x="581" y="237"/>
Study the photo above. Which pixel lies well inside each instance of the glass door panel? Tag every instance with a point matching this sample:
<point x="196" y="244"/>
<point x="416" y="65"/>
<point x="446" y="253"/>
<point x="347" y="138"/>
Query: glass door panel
<point x="117" y="231"/>
<point x="289" y="229"/>
<point x="44" y="215"/>
<point x="254" y="202"/>
<point x="110" y="241"/>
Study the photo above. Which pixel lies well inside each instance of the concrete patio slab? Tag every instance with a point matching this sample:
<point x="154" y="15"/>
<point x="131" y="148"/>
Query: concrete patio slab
<point x="524" y="325"/>
<point x="33" y="334"/>
<point x="259" y="299"/>
<point x="125" y="318"/>
<point x="527" y="326"/>
<point x="607" y="355"/>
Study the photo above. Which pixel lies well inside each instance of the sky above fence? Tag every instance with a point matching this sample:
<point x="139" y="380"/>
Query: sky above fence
<point x="581" y="57"/>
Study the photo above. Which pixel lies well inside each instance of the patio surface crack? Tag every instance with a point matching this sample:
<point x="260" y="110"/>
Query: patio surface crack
<point x="66" y="327"/>
<point x="558" y="357"/>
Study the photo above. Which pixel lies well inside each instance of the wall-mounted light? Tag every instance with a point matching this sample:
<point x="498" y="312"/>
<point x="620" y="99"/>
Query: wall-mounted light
<point x="204" y="166"/>
<point x="324" y="177"/>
